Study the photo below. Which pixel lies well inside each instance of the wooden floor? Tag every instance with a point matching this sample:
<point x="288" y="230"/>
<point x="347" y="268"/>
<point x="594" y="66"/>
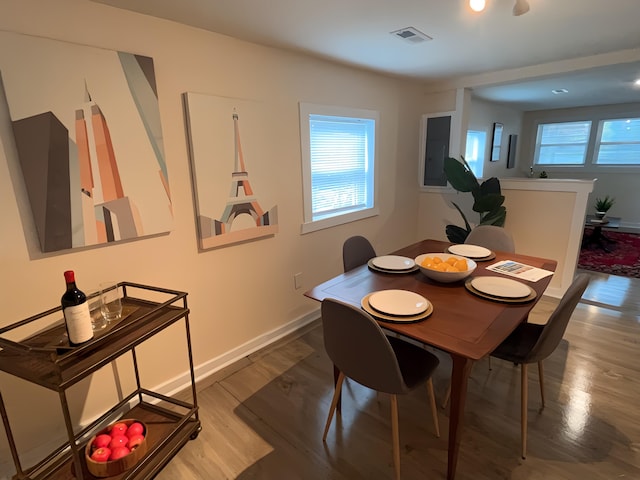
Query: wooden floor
<point x="263" y="418"/>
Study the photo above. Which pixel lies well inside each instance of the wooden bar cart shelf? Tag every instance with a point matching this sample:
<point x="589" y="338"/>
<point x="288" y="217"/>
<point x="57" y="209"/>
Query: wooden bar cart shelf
<point x="46" y="359"/>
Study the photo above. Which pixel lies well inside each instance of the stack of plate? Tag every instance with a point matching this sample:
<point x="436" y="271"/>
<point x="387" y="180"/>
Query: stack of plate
<point x="474" y="252"/>
<point x="399" y="306"/>
<point x="500" y="289"/>
<point x="393" y="264"/>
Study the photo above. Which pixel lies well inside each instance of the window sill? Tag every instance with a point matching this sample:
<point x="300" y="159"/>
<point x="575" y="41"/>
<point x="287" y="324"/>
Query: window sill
<point x="338" y="220"/>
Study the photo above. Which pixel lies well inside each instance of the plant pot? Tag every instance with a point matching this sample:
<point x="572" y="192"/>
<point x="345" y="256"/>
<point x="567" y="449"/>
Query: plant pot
<point x="600" y="215"/>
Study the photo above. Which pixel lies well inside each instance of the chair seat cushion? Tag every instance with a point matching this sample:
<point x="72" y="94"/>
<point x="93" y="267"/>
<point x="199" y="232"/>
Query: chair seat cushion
<point x="416" y="364"/>
<point x="518" y="345"/>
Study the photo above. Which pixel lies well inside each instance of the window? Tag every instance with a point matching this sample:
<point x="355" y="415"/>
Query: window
<point x="619" y="142"/>
<point x="474" y="152"/>
<point x="562" y="143"/>
<point x="338" y="160"/>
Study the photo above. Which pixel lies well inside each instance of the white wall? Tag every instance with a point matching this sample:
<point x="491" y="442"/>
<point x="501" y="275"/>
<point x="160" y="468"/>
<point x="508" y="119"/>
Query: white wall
<point x="240" y="296"/>
<point x="482" y="116"/>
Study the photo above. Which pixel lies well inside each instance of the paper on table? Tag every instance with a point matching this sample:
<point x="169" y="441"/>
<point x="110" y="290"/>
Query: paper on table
<point x="519" y="270"/>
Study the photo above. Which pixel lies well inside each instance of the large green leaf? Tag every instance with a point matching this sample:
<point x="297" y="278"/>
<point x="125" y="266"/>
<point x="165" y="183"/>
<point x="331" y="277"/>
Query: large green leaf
<point x="487" y="203"/>
<point x="495" y="217"/>
<point x="490" y="186"/>
<point x="456" y="234"/>
<point x="459" y="175"/>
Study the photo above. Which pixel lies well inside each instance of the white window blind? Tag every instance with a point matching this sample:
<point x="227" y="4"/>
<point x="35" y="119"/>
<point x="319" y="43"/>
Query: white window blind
<point x="619" y="142"/>
<point x="562" y="143"/>
<point x="340" y="152"/>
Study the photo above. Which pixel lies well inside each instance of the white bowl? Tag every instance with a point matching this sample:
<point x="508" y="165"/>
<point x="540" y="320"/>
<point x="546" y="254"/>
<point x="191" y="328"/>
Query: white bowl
<point x="445" y="277"/>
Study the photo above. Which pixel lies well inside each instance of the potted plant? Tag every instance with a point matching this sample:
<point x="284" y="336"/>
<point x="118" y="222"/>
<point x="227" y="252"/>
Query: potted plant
<point x="487" y="198"/>
<point x="603" y="205"/>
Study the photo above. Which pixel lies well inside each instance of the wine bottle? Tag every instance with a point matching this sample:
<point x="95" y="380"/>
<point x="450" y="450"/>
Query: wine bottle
<point x="75" y="307"/>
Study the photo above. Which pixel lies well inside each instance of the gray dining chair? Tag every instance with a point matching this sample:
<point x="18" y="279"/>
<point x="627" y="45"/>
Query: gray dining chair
<point x="362" y="352"/>
<point x="492" y="237"/>
<point x="356" y="251"/>
<point x="532" y="343"/>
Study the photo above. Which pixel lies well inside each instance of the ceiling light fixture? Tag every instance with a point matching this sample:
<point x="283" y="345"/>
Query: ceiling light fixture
<point x="520" y="8"/>
<point x="559" y="91"/>
<point x="477" y="5"/>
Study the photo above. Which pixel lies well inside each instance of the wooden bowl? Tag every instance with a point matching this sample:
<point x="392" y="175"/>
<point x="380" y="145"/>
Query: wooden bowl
<point x="116" y="467"/>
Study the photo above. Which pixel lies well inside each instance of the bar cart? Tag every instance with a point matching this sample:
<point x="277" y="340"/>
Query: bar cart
<point x="46" y="359"/>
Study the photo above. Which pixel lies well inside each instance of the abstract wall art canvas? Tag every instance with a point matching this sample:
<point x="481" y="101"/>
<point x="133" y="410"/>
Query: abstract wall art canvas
<point x="87" y="130"/>
<point x="228" y="139"/>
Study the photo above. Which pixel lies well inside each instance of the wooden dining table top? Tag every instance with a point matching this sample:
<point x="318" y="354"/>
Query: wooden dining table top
<point x="461" y="323"/>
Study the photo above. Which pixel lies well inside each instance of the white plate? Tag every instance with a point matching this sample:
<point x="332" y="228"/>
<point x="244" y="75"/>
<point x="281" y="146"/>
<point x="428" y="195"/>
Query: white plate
<point x="470" y="251"/>
<point x="393" y="262"/>
<point x="370" y="264"/>
<point x="500" y="287"/>
<point x="398" y="302"/>
<point x="395" y="318"/>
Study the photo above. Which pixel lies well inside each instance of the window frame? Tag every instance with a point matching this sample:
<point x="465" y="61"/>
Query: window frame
<point x="307" y="109"/>
<point x="596" y="115"/>
<point x="599" y="143"/>
<point x="538" y="146"/>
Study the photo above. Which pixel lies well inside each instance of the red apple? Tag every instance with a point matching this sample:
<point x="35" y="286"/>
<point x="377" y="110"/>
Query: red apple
<point x="101" y="454"/>
<point x="119" y="452"/>
<point x="119" y="428"/>
<point x="118" y="441"/>
<point x="135" y="441"/>
<point x="102" y="440"/>
<point x="136" y="428"/>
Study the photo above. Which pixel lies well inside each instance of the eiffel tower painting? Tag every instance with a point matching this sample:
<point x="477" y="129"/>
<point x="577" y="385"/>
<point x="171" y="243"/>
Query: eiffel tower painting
<point x="241" y="201"/>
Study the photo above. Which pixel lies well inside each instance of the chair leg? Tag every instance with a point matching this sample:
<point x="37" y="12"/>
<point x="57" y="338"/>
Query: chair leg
<point x="523" y="408"/>
<point x="334" y="403"/>
<point x="434" y="408"/>
<point x="395" y="432"/>
<point x="447" y="394"/>
<point x="336" y="374"/>
<point x="541" y="380"/>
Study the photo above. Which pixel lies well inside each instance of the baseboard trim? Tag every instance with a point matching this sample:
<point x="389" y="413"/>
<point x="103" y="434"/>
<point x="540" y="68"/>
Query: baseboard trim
<point x="208" y="369"/>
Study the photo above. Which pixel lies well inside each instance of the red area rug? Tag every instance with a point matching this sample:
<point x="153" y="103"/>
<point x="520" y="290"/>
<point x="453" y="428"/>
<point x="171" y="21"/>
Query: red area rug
<point x="623" y="257"/>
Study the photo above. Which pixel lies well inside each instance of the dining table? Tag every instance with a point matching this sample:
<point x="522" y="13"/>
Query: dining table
<point x="465" y="325"/>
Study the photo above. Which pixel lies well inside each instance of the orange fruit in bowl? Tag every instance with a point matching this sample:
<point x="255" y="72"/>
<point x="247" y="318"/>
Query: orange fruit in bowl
<point x="427" y="262"/>
<point x="452" y="260"/>
<point x="461" y="265"/>
<point x="442" y="266"/>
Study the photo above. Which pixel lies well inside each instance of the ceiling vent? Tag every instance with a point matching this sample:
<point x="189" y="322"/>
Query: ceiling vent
<point x="411" y="35"/>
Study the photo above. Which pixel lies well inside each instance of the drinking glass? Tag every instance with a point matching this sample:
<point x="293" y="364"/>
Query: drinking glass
<point x="98" y="322"/>
<point x="110" y="301"/>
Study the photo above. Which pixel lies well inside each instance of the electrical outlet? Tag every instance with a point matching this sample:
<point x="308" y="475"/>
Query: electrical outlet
<point x="297" y="280"/>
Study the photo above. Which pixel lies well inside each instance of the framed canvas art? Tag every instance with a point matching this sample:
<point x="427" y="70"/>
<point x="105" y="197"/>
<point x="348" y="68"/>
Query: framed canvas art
<point x="87" y="130"/>
<point x="511" y="154"/>
<point x="227" y="141"/>
<point x="496" y="142"/>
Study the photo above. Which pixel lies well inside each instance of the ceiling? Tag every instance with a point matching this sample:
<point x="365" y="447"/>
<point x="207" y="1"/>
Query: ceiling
<point x="464" y="44"/>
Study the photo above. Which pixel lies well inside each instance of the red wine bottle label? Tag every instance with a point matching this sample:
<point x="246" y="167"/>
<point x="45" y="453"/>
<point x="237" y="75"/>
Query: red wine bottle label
<point x="78" y="320"/>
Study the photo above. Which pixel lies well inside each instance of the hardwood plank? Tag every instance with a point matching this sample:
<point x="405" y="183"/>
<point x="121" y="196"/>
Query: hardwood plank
<point x="265" y="419"/>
